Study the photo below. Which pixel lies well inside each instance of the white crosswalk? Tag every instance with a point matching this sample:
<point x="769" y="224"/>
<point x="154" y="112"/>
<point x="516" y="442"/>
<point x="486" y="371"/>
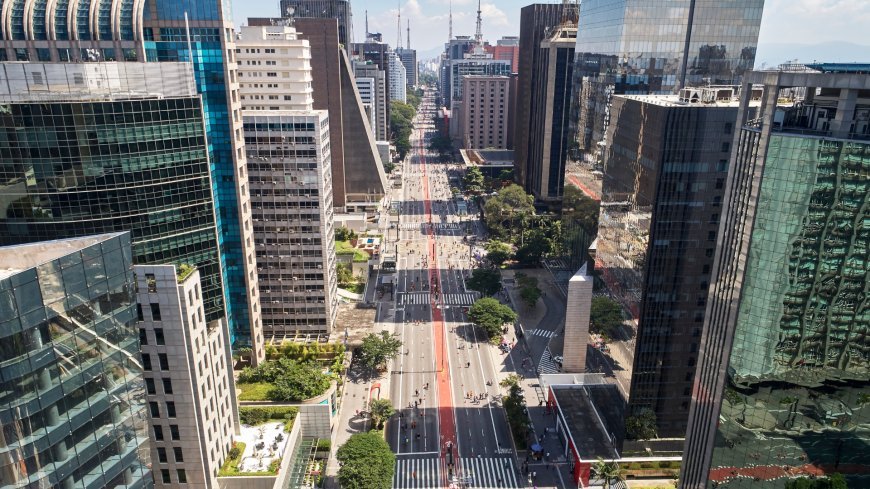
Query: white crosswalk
<point x="420" y="298"/>
<point x="547" y="365"/>
<point x="487" y="472"/>
<point x="546" y="333"/>
<point x="439" y="225"/>
<point x="414" y="472"/>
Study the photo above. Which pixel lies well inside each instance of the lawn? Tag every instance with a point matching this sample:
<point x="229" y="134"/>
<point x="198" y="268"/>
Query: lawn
<point x="230" y="468"/>
<point x="257" y="391"/>
<point x="356" y="287"/>
<point x="345" y="248"/>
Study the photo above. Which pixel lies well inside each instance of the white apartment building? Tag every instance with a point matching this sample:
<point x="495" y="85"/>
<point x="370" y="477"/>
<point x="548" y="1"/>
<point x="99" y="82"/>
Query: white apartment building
<point x="398" y="78"/>
<point x="289" y="169"/>
<point x="188" y="378"/>
<point x="367" y="88"/>
<point x="274" y="69"/>
<point x="363" y="70"/>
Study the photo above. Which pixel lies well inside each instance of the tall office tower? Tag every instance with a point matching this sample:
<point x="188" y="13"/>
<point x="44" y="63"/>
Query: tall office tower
<point x="110" y="147"/>
<point x="291" y="187"/>
<point x="455" y="49"/>
<point x="357" y="173"/>
<point x="478" y="62"/>
<point x="507" y="49"/>
<point x="73" y="403"/>
<point x="536" y="21"/>
<point x="549" y="133"/>
<point x="154" y="30"/>
<point x="324" y="9"/>
<point x="377" y="52"/>
<point x="661" y="200"/>
<point x="656" y="47"/>
<point x="398" y="82"/>
<point x="783" y="379"/>
<point x="485" y="112"/>
<point x="188" y="378"/>
<point x="274" y="69"/>
<point x="408" y="57"/>
<point x="367" y="74"/>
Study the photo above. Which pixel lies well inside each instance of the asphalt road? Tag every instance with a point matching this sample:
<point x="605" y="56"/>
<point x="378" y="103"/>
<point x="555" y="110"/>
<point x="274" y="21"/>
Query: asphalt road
<point x="451" y="431"/>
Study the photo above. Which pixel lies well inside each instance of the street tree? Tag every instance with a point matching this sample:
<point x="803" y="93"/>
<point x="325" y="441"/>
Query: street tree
<point x="401" y="126"/>
<point x="507" y="213"/>
<point x="606" y="316"/>
<point x="607" y="471"/>
<point x="485" y="280"/>
<point x="381" y="410"/>
<point x="530" y="295"/>
<point x="366" y="462"/>
<point x="377" y="349"/>
<point x="641" y="425"/>
<point x="473" y="180"/>
<point x="491" y="315"/>
<point x="498" y="252"/>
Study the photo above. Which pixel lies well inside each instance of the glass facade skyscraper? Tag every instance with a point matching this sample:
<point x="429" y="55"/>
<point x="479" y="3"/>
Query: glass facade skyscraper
<point x="72" y="398"/>
<point x="157" y="30"/>
<point x="76" y="161"/>
<point x="782" y="388"/>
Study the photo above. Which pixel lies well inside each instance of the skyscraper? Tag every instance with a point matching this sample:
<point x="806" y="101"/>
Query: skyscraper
<point x="368" y="75"/>
<point x="408" y="57"/>
<point x="110" y="147"/>
<point x="783" y="380"/>
<point x="154" y="30"/>
<point x="324" y="9"/>
<point x="485" y="110"/>
<point x="535" y="21"/>
<point x="73" y="400"/>
<point x="656" y="47"/>
<point x="399" y="79"/>
<point x="663" y="183"/>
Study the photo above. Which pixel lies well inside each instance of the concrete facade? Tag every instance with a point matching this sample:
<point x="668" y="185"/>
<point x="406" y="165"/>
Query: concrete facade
<point x="578" y="306"/>
<point x="188" y="379"/>
<point x="372" y="86"/>
<point x="398" y="78"/>
<point x="409" y="60"/>
<point x="485" y="110"/>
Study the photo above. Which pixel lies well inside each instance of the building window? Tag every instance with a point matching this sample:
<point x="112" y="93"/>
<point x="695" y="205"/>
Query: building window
<point x="167" y="386"/>
<point x="164" y="474"/>
<point x="139" y="314"/>
<point x="155" y="312"/>
<point x="170" y="409"/>
<point x="149" y="385"/>
<point x="173" y="432"/>
<point x="155" y="409"/>
<point x="158" y="336"/>
<point x="158" y="433"/>
<point x="143" y="337"/>
<point x="182" y="476"/>
<point x="164" y="361"/>
<point x="146" y="361"/>
<point x="179" y="454"/>
<point x="726" y="147"/>
<point x="161" y="455"/>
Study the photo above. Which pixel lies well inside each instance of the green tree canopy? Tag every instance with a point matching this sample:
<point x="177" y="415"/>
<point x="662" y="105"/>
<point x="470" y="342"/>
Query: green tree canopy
<point x="487" y="281"/>
<point x="473" y="180"/>
<point x="491" y="315"/>
<point x="508" y="213"/>
<point x="401" y="126"/>
<point x="291" y="380"/>
<point x="381" y="410"/>
<point x="344" y="275"/>
<point x="834" y="481"/>
<point x="607" y="471"/>
<point x="366" y="462"/>
<point x="578" y="207"/>
<point x="344" y="233"/>
<point x="498" y="252"/>
<point x="377" y="349"/>
<point x="606" y="316"/>
<point x="641" y="425"/>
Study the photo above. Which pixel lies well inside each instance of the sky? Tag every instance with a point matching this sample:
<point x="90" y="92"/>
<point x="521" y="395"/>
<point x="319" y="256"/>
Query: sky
<point x="784" y="21"/>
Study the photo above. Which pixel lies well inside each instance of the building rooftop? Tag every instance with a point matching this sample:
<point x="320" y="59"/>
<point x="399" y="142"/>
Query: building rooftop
<point x="17" y="258"/>
<point x="863" y="68"/>
<point x="488" y="157"/>
<point x="594" y="415"/>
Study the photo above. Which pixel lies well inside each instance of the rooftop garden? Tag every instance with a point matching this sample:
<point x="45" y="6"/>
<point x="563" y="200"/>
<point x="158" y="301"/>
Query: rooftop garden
<point x="183" y="271"/>
<point x="347" y="248"/>
<point x="258" y="451"/>
<point x="282" y="380"/>
<point x="255" y="415"/>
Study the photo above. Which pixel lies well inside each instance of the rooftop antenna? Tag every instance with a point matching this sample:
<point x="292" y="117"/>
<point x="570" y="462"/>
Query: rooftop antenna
<point x="478" y="34"/>
<point x="408" y="40"/>
<point x="367" y="25"/>
<point x="399" y="28"/>
<point x="450" y="23"/>
<point x="288" y="17"/>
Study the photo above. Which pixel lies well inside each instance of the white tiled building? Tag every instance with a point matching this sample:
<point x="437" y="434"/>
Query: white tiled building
<point x="188" y="379"/>
<point x="289" y="169"/>
<point x="398" y="78"/>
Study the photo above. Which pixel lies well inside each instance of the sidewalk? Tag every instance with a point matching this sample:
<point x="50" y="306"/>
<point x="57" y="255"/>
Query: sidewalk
<point x="552" y="472"/>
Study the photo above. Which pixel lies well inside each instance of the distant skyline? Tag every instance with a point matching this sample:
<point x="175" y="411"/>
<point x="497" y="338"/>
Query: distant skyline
<point x="785" y="21"/>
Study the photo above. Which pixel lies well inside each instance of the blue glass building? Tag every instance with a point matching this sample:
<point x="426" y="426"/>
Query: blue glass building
<point x="154" y="31"/>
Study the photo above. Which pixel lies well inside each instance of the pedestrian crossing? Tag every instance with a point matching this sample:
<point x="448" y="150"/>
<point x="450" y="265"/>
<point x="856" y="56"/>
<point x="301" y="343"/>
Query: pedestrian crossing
<point x="547" y="365"/>
<point x="417" y="473"/>
<point x="487" y="472"/>
<point x="410" y="226"/>
<point x="471" y="472"/>
<point x="421" y="298"/>
<point x="546" y="333"/>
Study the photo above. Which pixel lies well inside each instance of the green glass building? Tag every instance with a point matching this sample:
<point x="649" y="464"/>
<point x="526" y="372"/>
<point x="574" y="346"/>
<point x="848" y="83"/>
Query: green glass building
<point x="110" y="147"/>
<point x="783" y="390"/>
<point x="72" y="398"/>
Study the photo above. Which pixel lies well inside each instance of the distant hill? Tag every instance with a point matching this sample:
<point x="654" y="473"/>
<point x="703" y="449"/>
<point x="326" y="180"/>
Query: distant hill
<point x="772" y="54"/>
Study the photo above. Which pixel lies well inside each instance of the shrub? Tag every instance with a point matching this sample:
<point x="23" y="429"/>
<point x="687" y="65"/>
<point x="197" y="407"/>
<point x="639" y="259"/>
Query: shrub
<point x="259" y="415"/>
<point x="253" y="416"/>
<point x="323" y="445"/>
